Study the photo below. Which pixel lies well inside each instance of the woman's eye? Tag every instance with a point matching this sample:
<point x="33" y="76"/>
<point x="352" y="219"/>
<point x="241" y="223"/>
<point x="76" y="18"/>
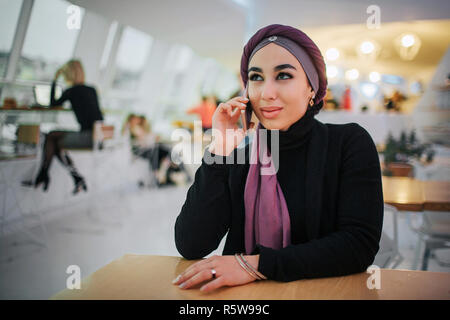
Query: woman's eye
<point x="284" y="76"/>
<point x="281" y="76"/>
<point x="255" y="77"/>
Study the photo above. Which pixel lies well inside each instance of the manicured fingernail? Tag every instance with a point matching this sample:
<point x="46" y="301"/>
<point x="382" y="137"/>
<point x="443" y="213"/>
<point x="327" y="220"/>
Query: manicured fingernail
<point x="243" y="104"/>
<point x="182" y="285"/>
<point x="176" y="279"/>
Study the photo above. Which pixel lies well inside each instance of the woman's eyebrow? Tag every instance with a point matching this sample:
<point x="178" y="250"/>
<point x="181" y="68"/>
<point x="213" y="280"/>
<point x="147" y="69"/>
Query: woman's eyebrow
<point x="256" y="69"/>
<point x="284" y="66"/>
<point x="277" y="68"/>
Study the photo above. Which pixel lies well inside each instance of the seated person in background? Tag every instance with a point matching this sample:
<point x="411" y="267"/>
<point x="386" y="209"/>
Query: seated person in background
<point x="139" y="131"/>
<point x="393" y="103"/>
<point x="205" y="110"/>
<point x="84" y="103"/>
<point x="146" y="145"/>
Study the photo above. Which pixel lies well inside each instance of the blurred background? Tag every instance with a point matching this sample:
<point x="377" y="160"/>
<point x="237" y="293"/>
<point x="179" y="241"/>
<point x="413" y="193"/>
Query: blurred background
<point x="158" y="66"/>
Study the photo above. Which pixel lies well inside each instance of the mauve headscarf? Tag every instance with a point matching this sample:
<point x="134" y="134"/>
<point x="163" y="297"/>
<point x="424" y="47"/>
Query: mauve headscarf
<point x="267" y="221"/>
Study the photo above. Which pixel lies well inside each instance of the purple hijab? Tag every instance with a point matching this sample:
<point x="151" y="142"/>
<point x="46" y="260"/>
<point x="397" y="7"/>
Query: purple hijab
<point x="267" y="221"/>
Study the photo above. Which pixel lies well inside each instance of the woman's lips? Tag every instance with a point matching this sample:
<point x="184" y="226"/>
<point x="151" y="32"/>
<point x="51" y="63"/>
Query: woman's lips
<point x="271" y="112"/>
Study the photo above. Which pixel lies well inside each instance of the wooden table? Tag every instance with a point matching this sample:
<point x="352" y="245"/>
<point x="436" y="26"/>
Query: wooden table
<point x="409" y="194"/>
<point x="150" y="277"/>
<point x="436" y="195"/>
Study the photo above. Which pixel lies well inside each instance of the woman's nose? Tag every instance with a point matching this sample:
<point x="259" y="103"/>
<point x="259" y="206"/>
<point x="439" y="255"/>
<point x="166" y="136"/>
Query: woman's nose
<point x="269" y="91"/>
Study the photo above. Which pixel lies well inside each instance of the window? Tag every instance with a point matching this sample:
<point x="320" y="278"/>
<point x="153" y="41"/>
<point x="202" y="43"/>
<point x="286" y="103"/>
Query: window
<point x="132" y="55"/>
<point x="108" y="45"/>
<point x="49" y="42"/>
<point x="8" y="22"/>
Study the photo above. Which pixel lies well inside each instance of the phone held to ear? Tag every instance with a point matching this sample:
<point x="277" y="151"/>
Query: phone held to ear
<point x="247" y="113"/>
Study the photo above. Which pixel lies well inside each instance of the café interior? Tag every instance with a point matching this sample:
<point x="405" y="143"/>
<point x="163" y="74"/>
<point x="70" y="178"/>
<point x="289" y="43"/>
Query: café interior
<point x="153" y="63"/>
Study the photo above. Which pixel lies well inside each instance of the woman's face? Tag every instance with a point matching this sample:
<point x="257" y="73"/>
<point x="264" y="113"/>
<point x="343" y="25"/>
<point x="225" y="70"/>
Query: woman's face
<point x="134" y="121"/>
<point x="277" y="87"/>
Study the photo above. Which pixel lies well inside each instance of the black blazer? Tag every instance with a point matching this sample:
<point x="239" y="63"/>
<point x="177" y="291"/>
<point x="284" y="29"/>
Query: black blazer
<point x="344" y="209"/>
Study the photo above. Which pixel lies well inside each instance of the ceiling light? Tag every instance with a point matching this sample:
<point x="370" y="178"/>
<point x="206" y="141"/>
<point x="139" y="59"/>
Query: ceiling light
<point x="407" y="45"/>
<point x="352" y="74"/>
<point x="332" y="54"/>
<point x="369" y="90"/>
<point x="374" y="76"/>
<point x="367" y="47"/>
<point x="408" y="40"/>
<point x="332" y="71"/>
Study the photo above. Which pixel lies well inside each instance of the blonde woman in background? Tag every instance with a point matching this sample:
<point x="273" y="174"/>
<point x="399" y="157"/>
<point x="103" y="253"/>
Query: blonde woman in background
<point x="84" y="103"/>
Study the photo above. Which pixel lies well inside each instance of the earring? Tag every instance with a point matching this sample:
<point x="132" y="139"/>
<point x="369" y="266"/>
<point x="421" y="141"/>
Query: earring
<point x="311" y="102"/>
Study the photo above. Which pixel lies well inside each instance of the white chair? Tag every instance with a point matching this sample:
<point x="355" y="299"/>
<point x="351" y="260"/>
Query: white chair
<point x="388" y="255"/>
<point x="146" y="164"/>
<point x="28" y="137"/>
<point x="432" y="227"/>
<point x="438" y="169"/>
<point x="103" y="152"/>
<point x="434" y="233"/>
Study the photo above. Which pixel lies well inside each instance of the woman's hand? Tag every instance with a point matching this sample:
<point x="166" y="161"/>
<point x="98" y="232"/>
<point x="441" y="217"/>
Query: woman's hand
<point x="226" y="134"/>
<point x="228" y="273"/>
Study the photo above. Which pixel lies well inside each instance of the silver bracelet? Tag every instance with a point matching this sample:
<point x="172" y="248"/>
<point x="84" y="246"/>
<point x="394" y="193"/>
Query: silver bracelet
<point x="259" y="274"/>
<point x="242" y="264"/>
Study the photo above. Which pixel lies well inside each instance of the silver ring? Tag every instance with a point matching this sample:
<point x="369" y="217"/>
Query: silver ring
<point x="213" y="272"/>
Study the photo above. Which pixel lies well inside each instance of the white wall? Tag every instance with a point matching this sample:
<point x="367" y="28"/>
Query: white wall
<point x="151" y="84"/>
<point x="90" y="44"/>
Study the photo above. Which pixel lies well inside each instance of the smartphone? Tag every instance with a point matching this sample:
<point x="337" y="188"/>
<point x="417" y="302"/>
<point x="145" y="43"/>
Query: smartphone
<point x="247" y="114"/>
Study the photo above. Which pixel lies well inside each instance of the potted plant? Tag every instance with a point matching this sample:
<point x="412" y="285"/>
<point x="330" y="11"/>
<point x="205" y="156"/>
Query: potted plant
<point x="398" y="154"/>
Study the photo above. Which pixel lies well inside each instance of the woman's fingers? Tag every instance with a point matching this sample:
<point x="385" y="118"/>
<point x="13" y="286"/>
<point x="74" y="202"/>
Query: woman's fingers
<point x="238" y="104"/>
<point x="193" y="269"/>
<point x="228" y="273"/>
<point x="189" y="273"/>
<point x="215" y="284"/>
<point x="235" y="112"/>
<point x="225" y="121"/>
<point x="240" y="98"/>
<point x="199" y="277"/>
<point x="226" y="108"/>
<point x="232" y="107"/>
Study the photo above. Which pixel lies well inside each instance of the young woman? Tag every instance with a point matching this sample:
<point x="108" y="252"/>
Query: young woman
<point x="85" y="105"/>
<point x="319" y="215"/>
